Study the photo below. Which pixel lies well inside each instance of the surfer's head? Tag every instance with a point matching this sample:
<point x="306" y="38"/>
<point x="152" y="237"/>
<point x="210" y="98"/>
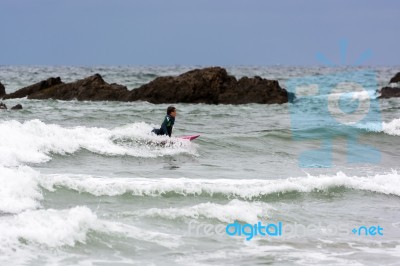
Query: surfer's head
<point x="171" y="110"/>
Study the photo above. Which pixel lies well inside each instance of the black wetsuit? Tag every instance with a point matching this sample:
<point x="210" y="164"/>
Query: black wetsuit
<point x="166" y="126"/>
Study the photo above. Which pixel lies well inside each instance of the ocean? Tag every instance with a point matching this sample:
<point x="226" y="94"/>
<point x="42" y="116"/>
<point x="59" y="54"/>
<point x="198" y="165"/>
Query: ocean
<point x="85" y="183"/>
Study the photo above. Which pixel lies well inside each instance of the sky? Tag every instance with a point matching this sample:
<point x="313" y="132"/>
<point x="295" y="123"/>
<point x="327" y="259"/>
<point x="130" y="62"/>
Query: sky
<point x="198" y="32"/>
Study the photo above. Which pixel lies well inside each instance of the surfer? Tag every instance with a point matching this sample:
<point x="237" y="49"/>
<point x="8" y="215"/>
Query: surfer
<point x="168" y="123"/>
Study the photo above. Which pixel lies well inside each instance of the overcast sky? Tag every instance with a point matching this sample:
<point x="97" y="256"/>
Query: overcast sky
<point x="197" y="32"/>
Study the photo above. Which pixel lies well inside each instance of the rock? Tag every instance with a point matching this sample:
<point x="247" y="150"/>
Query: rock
<point x="3" y="106"/>
<point x="17" y="107"/>
<point x="211" y="86"/>
<point x="92" y="88"/>
<point x="389" y="92"/>
<point x="42" y="85"/>
<point x="196" y="86"/>
<point x="393" y="90"/>
<point x="2" y="90"/>
<point x="259" y="90"/>
<point x="395" y="79"/>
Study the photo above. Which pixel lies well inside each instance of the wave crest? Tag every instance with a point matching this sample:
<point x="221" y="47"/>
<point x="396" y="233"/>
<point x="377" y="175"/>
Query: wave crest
<point x="232" y="188"/>
<point x="34" y="141"/>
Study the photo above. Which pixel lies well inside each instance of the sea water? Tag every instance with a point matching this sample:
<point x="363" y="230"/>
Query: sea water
<point x="82" y="183"/>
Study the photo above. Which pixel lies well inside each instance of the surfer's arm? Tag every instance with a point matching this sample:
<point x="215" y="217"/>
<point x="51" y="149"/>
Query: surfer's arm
<point x="169" y="131"/>
<point x="163" y="128"/>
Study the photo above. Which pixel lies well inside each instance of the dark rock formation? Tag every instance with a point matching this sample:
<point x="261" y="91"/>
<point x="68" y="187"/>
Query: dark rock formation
<point x="395" y="79"/>
<point x="16" y="107"/>
<point x="389" y="92"/>
<point x="92" y="88"/>
<point x="211" y="86"/>
<point x="32" y="89"/>
<point x="2" y="90"/>
<point x="3" y="106"/>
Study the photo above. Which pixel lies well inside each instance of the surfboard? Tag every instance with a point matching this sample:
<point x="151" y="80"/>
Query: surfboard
<point x="192" y="137"/>
<point x="172" y="141"/>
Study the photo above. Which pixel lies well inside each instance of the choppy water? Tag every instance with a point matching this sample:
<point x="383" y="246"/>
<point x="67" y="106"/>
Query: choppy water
<point x="82" y="183"/>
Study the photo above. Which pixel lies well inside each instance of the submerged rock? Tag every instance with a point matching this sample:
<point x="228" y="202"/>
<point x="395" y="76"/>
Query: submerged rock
<point x="17" y="107"/>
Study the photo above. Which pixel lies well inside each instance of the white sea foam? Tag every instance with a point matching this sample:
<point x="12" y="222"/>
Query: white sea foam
<point x="249" y="212"/>
<point x="388" y="183"/>
<point x="159" y="238"/>
<point x="19" y="189"/>
<point x="354" y="95"/>
<point x="33" y="141"/>
<point x="57" y="228"/>
<point x="391" y="128"/>
<point x="52" y="228"/>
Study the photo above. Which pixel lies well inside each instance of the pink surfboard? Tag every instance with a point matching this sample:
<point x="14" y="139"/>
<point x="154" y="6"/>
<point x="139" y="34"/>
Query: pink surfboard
<point x="189" y="137"/>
